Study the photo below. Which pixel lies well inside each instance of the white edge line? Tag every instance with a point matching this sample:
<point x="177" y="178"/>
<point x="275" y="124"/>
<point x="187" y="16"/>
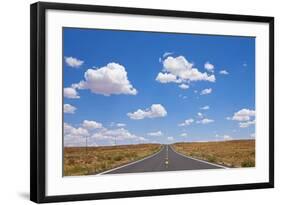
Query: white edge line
<point x="130" y="163"/>
<point x="200" y="160"/>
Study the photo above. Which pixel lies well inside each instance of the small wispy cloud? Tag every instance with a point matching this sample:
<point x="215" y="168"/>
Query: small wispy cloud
<point x="227" y="137"/>
<point x="183" y="134"/>
<point x="184" y="86"/>
<point x="120" y="125"/>
<point x="73" y="62"/>
<point x="167" y="54"/>
<point x="186" y="122"/>
<point x="170" y="138"/>
<point x="209" y="67"/>
<point x="207" y="107"/>
<point x="206" y="91"/>
<point x="224" y="72"/>
<point x="155" y="134"/>
<point x="67" y="108"/>
<point x="204" y="121"/>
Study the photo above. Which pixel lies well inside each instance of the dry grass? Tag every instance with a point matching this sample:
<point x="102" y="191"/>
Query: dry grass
<point x="79" y="161"/>
<point x="236" y="153"/>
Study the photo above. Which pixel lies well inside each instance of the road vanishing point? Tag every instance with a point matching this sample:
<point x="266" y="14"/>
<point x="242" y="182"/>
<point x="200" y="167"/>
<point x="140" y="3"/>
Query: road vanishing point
<point x="167" y="159"/>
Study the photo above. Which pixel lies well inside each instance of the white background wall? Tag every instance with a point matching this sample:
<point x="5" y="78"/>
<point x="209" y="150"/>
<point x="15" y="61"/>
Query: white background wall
<point x="14" y="100"/>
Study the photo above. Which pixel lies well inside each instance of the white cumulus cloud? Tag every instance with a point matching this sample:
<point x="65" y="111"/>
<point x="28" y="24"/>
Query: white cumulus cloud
<point x="179" y="70"/>
<point x="107" y="80"/>
<point x="95" y="132"/>
<point x="67" y="108"/>
<point x="245" y="117"/>
<point x="183" y="134"/>
<point x="156" y="110"/>
<point x="70" y="93"/>
<point x="90" y="124"/>
<point x="184" y="70"/>
<point x="70" y="131"/>
<point x="206" y="91"/>
<point x="166" y="78"/>
<point x="73" y="62"/>
<point x="114" y="134"/>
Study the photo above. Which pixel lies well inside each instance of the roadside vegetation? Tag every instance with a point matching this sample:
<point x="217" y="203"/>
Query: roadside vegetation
<point x="93" y="160"/>
<point x="235" y="153"/>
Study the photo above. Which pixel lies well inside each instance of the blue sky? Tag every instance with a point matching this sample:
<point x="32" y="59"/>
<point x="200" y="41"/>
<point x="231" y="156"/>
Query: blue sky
<point x="140" y="87"/>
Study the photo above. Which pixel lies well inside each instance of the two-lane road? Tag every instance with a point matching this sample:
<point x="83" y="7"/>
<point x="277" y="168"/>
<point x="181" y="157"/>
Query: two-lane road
<point x="165" y="160"/>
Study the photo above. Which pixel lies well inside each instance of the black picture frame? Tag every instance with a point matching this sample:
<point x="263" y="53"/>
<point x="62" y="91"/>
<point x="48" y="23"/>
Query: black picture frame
<point x="38" y="101"/>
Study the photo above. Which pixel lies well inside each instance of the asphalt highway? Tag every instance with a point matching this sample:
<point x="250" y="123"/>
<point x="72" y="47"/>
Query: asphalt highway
<point x="165" y="160"/>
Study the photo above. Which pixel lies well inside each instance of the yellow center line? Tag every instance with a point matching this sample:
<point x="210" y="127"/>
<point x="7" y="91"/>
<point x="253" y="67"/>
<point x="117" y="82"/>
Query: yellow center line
<point x="167" y="157"/>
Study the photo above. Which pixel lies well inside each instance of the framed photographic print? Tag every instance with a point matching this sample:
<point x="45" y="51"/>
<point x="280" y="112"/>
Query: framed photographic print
<point x="129" y="102"/>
